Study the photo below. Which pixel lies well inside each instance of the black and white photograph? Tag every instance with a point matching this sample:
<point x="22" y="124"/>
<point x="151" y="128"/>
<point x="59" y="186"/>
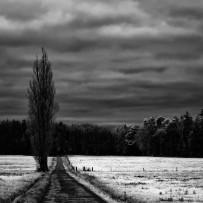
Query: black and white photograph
<point x="101" y="101"/>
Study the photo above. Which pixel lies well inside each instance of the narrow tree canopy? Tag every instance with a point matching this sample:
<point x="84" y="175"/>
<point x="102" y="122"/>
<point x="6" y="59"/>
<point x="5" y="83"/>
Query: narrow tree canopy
<point x="42" y="109"/>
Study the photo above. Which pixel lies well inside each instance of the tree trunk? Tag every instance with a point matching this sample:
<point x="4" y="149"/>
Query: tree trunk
<point x="43" y="164"/>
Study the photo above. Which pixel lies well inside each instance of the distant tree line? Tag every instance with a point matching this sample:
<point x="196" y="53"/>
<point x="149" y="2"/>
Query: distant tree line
<point x="179" y="137"/>
<point x="84" y="139"/>
<point x="13" y="137"/>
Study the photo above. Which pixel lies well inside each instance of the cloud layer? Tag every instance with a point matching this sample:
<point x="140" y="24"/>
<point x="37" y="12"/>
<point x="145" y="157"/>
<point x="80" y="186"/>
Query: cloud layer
<point x="114" y="61"/>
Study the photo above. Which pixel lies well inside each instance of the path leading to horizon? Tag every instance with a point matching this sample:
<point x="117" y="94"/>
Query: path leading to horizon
<point x="64" y="188"/>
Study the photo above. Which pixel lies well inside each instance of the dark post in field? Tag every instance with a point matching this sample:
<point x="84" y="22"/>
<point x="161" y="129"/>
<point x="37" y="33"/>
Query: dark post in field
<point x="41" y="110"/>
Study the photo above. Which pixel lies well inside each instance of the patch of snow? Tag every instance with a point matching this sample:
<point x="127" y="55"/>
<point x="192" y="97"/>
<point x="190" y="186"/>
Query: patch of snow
<point x="17" y="173"/>
<point x="148" y="179"/>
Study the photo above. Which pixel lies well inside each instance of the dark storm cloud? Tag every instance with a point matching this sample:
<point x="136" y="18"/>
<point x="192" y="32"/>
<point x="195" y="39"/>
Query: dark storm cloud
<point x="12" y="100"/>
<point x="179" y="56"/>
<point x="21" y="11"/>
<point x="142" y="70"/>
<point x="49" y="38"/>
<point x="195" y="13"/>
<point x="196" y="71"/>
<point x="160" y="95"/>
<point x="11" y="92"/>
<point x="113" y="61"/>
<point x="15" y="63"/>
<point x="26" y="39"/>
<point x="85" y="22"/>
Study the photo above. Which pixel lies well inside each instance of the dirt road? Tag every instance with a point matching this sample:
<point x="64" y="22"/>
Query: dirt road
<point x="64" y="188"/>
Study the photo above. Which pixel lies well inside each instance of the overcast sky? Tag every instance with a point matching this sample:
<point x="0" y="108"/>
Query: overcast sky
<point x="114" y="61"/>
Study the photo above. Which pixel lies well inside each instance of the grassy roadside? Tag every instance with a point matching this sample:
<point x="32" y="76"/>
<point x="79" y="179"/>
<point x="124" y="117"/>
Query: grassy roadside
<point x="15" y="193"/>
<point x="35" y="192"/>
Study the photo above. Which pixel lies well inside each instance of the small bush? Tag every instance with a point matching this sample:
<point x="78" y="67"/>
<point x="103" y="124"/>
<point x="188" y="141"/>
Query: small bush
<point x="169" y="199"/>
<point x="186" y="192"/>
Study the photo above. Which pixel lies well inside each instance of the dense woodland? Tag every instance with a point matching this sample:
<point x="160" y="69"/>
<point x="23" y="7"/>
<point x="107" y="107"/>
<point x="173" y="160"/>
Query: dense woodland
<point x="179" y="137"/>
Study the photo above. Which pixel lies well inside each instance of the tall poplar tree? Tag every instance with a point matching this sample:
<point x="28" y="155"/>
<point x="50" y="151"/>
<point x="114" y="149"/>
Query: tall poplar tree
<point x="41" y="110"/>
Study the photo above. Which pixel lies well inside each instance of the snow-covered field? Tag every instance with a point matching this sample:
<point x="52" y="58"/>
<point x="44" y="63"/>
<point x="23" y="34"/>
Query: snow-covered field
<point x="150" y="179"/>
<point x="17" y="173"/>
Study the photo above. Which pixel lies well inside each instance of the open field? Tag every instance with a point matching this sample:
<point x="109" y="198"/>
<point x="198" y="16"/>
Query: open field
<point x="149" y="179"/>
<point x="16" y="174"/>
